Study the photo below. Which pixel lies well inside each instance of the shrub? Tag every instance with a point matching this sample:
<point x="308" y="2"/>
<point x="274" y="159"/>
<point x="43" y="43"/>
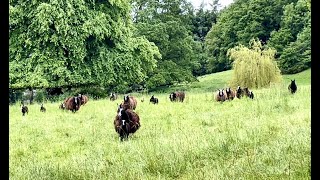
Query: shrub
<point x="254" y="67"/>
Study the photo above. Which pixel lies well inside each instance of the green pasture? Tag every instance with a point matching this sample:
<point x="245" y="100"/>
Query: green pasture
<point x="264" y="138"/>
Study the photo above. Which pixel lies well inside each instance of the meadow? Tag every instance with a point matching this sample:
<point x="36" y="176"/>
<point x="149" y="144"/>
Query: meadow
<point x="268" y="137"/>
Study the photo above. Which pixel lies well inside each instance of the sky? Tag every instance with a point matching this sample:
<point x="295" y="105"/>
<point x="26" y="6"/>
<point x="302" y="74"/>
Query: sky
<point x="196" y="3"/>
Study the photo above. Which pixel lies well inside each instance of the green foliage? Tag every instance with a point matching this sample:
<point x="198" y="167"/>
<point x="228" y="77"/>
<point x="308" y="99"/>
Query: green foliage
<point x="168" y="26"/>
<point x="202" y="22"/>
<point x="254" y="67"/>
<point x="237" y="24"/>
<point x="73" y="43"/>
<point x="40" y="96"/>
<point x="293" y="40"/>
<point x="297" y="55"/>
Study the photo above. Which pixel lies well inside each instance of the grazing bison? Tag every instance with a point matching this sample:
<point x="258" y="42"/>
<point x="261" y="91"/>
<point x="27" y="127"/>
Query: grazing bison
<point x="42" y="108"/>
<point x="113" y="96"/>
<point x="230" y="94"/>
<point x="24" y="109"/>
<point x="292" y="86"/>
<point x="83" y="99"/>
<point x="126" y="122"/>
<point x="220" y="96"/>
<point x="73" y="103"/>
<point x="154" y="100"/>
<point x="239" y="92"/>
<point x="248" y="93"/>
<point x="129" y="102"/>
<point x="177" y="96"/>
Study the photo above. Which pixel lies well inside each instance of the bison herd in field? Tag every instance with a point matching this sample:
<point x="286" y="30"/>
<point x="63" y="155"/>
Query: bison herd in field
<point x="229" y="94"/>
<point x="128" y="122"/>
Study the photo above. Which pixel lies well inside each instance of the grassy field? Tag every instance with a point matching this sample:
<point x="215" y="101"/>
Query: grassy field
<point x="265" y="138"/>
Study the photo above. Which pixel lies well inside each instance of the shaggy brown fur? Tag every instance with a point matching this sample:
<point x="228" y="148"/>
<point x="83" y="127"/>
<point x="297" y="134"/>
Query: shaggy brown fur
<point x="126" y="122"/>
<point x="84" y="99"/>
<point x="239" y="92"/>
<point x="129" y="102"/>
<point x="73" y="103"/>
<point x="220" y="96"/>
<point x="230" y="94"/>
<point x="177" y="96"/>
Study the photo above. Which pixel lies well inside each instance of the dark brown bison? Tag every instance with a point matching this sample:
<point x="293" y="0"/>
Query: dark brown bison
<point x="129" y="102"/>
<point x="24" y="109"/>
<point x="126" y="122"/>
<point x="154" y="100"/>
<point x="292" y="86"/>
<point x="220" y="96"/>
<point x="83" y="99"/>
<point x="239" y="92"/>
<point x="248" y="93"/>
<point x="73" y="103"/>
<point x="230" y="94"/>
<point x="177" y="96"/>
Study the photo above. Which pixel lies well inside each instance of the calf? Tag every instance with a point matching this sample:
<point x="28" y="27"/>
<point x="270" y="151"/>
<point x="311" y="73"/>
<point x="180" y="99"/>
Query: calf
<point x="154" y="100"/>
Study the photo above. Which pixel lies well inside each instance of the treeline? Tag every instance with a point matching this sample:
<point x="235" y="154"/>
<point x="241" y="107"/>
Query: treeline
<point x="144" y="44"/>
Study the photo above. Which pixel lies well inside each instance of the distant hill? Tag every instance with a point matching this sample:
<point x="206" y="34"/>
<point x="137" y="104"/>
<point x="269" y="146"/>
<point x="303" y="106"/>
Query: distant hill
<point x="211" y="82"/>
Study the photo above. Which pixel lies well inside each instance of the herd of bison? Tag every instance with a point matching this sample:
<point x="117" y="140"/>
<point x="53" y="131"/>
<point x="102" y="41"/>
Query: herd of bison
<point x="128" y="122"/>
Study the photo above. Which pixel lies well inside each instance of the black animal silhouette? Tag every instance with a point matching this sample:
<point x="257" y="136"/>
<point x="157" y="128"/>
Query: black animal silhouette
<point x="293" y="87"/>
<point x="42" y="108"/>
<point x="154" y="100"/>
<point x="24" y="109"/>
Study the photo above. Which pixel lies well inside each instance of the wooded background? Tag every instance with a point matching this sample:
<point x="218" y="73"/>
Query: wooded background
<point x="122" y="46"/>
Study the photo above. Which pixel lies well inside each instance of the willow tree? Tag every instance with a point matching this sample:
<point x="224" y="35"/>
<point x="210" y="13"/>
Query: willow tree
<point x="254" y="67"/>
<point x="76" y="42"/>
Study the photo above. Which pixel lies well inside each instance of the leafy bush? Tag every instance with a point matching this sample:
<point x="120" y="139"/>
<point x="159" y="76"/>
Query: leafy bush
<point x="254" y="67"/>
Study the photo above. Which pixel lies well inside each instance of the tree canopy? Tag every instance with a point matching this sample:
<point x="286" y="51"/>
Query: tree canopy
<point x="246" y="19"/>
<point x="76" y="42"/>
<point x="121" y="45"/>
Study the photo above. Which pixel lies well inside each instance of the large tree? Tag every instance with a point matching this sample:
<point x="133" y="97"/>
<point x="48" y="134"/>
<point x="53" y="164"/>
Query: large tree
<point x="76" y="42"/>
<point x="293" y="40"/>
<point x="168" y="24"/>
<point x="202" y="21"/>
<point x="238" y="23"/>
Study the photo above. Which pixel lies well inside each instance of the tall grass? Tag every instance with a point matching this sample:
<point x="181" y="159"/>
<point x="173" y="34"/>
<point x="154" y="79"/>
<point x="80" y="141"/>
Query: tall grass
<point x="264" y="138"/>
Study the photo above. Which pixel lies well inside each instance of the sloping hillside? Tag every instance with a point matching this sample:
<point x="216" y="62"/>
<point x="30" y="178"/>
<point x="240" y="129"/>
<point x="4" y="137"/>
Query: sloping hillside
<point x="211" y="82"/>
